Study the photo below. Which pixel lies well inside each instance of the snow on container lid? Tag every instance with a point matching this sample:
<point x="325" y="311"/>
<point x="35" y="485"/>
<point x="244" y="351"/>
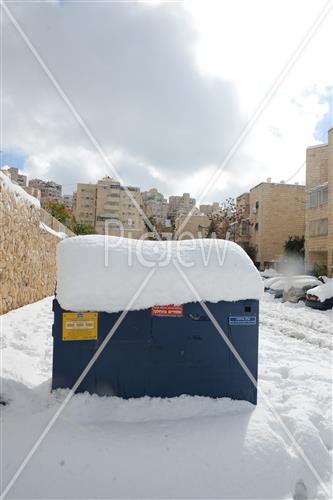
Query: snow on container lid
<point x="103" y="273"/>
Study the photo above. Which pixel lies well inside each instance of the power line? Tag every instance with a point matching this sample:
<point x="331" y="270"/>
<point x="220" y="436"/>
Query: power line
<point x="298" y="170"/>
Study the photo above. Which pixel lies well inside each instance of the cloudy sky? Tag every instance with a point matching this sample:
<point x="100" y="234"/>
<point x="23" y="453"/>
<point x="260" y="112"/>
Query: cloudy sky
<point x="162" y="91"/>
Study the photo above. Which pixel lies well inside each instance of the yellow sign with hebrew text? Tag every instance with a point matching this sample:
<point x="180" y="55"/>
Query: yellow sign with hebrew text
<point x="80" y="326"/>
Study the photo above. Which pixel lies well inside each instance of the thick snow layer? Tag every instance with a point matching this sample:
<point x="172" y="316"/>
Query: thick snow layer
<point x="217" y="269"/>
<point x="294" y="282"/>
<point x="269" y="281"/>
<point x="186" y="447"/>
<point x="19" y="192"/>
<point x="323" y="292"/>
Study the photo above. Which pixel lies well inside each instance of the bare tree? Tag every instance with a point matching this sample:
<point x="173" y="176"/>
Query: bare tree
<point x="226" y="223"/>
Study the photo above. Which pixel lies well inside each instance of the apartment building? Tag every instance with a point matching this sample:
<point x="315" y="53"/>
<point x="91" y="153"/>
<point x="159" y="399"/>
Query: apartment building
<point x="155" y="205"/>
<point x="180" y="205"/>
<point x="277" y="211"/>
<point x="195" y="226"/>
<point x="209" y="209"/>
<point x="67" y="200"/>
<point x="85" y="204"/>
<point x="115" y="206"/>
<point x="319" y="206"/>
<point x="267" y="216"/>
<point x="108" y="207"/>
<point x="15" y="176"/>
<point x="50" y="191"/>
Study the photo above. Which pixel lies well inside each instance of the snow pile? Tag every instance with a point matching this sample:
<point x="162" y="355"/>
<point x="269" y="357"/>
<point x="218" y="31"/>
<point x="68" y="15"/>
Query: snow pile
<point x="297" y="321"/>
<point x="47" y="228"/>
<point x="19" y="192"/>
<point x="104" y="273"/>
<point x="323" y="292"/>
<point x="26" y="343"/>
<point x="186" y="447"/>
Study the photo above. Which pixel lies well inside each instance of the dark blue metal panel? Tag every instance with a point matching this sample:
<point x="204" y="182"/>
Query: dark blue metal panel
<point x="164" y="356"/>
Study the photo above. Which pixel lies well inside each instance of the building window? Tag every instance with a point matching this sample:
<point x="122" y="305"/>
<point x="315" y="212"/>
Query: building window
<point x="256" y="226"/>
<point x="318" y="227"/>
<point x="257" y="205"/>
<point x="111" y="203"/>
<point x="318" y="196"/>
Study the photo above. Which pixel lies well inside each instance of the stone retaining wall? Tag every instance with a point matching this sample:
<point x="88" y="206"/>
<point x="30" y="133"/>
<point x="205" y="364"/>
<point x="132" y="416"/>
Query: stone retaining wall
<point x="27" y="253"/>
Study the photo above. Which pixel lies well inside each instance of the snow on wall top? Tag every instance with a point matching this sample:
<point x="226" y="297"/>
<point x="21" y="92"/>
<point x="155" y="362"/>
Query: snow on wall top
<point x="19" y="192"/>
<point x="101" y="273"/>
<point x="49" y="229"/>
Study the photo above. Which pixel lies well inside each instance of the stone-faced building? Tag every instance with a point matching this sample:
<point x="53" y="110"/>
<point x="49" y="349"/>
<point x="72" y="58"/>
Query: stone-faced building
<point x="319" y="206"/>
<point x="85" y="204"/>
<point x="108" y="207"/>
<point x="195" y="226"/>
<point x="155" y="205"/>
<point x="51" y="192"/>
<point x="180" y="205"/>
<point x="275" y="212"/>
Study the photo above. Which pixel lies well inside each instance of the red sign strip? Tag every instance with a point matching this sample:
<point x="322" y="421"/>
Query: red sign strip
<point x="168" y="311"/>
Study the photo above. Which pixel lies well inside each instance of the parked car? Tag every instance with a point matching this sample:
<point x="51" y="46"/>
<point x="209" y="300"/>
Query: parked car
<point x="297" y="293"/>
<point x="320" y="297"/>
<point x="268" y="282"/>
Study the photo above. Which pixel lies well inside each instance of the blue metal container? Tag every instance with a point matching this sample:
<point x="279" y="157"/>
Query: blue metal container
<point x="159" y="352"/>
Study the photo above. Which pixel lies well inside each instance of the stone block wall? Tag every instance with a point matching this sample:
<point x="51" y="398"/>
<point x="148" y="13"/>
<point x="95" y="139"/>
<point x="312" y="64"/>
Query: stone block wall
<point x="27" y="253"/>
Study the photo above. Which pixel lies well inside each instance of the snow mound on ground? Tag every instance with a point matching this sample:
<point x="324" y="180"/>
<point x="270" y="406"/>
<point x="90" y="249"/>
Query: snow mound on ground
<point x="103" y="273"/>
<point x="20" y="194"/>
<point x="186" y="447"/>
<point x="323" y="292"/>
<point x="26" y="343"/>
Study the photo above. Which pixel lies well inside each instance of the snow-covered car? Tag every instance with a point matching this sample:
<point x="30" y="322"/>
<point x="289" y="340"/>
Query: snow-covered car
<point x="297" y="293"/>
<point x="320" y="297"/>
<point x="268" y="282"/>
<point x="286" y="283"/>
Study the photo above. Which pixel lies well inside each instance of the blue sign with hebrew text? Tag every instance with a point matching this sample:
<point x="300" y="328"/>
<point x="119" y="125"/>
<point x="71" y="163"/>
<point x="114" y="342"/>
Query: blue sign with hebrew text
<point x="242" y="320"/>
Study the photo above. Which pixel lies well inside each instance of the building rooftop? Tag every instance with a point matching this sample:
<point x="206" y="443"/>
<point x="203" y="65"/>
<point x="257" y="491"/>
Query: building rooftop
<point x="322" y="145"/>
<point x="279" y="184"/>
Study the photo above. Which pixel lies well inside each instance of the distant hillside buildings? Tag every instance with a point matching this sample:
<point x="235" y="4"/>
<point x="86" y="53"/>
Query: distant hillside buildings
<point x="108" y="207"/>
<point x="267" y="215"/>
<point x="50" y="191"/>
<point x="155" y="206"/>
<point x="180" y="205"/>
<point x="16" y="176"/>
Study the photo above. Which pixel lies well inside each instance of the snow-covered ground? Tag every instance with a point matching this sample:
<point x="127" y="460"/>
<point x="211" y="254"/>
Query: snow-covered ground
<point x="173" y="448"/>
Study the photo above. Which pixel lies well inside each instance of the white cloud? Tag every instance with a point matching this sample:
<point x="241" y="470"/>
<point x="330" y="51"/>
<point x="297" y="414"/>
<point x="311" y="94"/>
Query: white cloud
<point x="166" y="90"/>
<point x="260" y="38"/>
